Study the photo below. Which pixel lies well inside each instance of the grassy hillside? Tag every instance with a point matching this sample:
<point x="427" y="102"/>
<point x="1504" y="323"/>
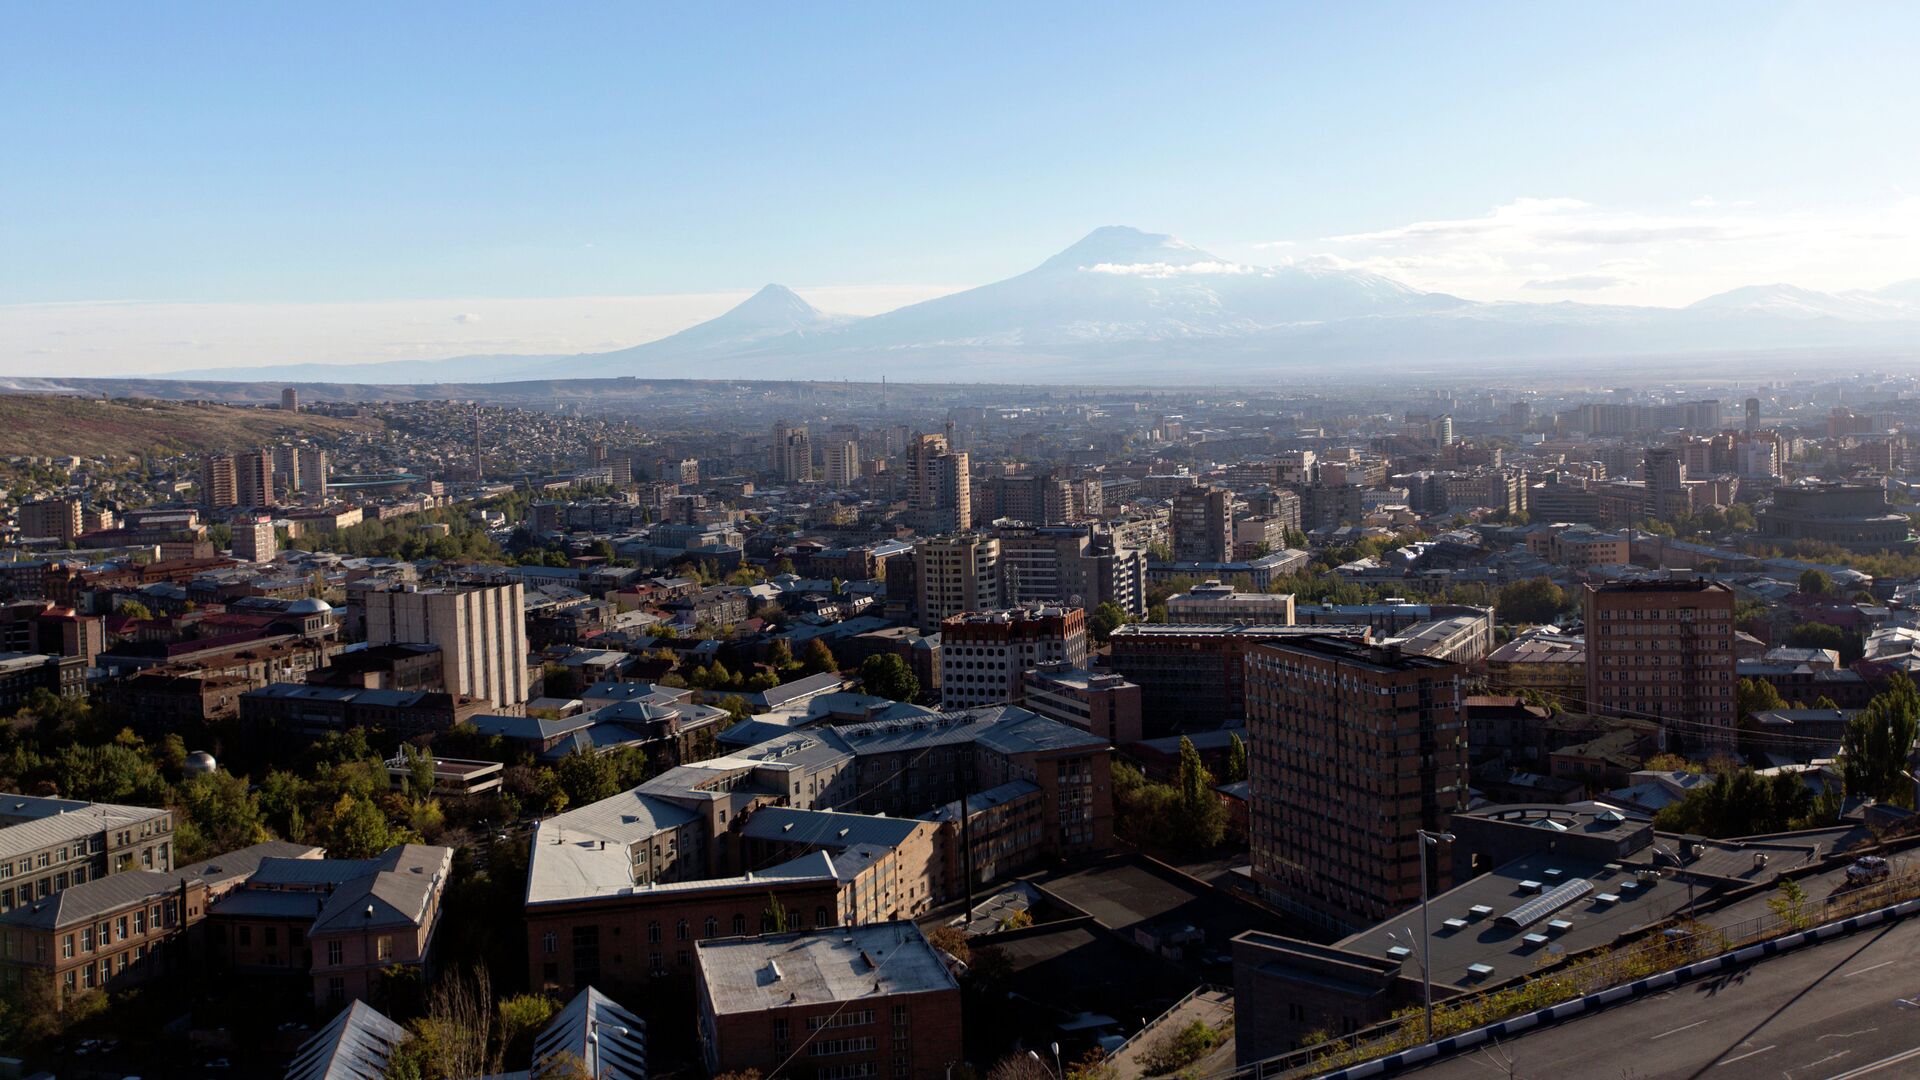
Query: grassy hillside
<point x="89" y="427"/>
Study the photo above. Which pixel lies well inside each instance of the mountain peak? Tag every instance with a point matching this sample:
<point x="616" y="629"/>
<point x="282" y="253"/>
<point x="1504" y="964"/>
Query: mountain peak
<point x="1125" y="245"/>
<point x="773" y="305"/>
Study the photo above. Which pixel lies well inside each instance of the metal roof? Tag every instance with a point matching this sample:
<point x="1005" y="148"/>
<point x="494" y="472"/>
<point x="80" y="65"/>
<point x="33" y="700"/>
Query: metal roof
<point x="594" y="1031"/>
<point x="356" y="1045"/>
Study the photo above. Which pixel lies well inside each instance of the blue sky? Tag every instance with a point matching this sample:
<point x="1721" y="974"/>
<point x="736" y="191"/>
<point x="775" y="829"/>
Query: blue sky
<point x="336" y="156"/>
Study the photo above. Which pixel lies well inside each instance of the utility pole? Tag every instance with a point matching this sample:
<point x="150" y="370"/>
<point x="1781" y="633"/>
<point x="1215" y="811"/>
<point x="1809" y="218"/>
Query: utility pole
<point x="966" y="849"/>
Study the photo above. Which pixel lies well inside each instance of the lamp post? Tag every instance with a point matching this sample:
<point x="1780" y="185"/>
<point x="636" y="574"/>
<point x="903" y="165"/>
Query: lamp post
<point x="593" y="1044"/>
<point x="1678" y="867"/>
<point x="1426" y="933"/>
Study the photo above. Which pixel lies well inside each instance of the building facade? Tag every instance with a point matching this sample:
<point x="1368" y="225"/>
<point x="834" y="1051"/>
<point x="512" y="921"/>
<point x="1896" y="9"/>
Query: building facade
<point x="481" y="631"/>
<point x="984" y="653"/>
<point x="1663" y="650"/>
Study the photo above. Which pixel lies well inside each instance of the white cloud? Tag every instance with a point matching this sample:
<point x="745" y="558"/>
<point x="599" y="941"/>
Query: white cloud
<point x="1577" y="283"/>
<point x="1663" y="256"/>
<point x="466" y="317"/>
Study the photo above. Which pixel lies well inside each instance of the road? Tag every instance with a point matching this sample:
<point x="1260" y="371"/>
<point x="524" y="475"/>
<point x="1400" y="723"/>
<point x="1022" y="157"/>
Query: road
<point x="1847" y="1008"/>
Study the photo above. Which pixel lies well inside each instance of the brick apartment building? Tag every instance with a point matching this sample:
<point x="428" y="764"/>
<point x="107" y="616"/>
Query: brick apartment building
<point x="1193" y="678"/>
<point x="1664" y="650"/>
<point x="48" y="845"/>
<point x="1352" y="748"/>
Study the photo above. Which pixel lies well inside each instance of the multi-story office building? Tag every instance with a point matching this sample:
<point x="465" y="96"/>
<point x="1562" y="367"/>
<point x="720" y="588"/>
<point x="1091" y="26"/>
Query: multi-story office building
<point x="859" y="1002"/>
<point x="219" y="486"/>
<point x="1203" y="525"/>
<point x="955" y="574"/>
<point x="1103" y="704"/>
<point x="984" y="653"/>
<point x="1663" y="650"/>
<point x="480" y="629"/>
<point x="47" y="845"/>
<point x="253" y="538"/>
<point x="1193" y="678"/>
<point x="939" y="487"/>
<point x="1076" y="565"/>
<point x="840" y="462"/>
<point x="313" y="471"/>
<point x="52" y="519"/>
<point x="253" y="478"/>
<point x="1351" y="749"/>
<point x="1215" y="602"/>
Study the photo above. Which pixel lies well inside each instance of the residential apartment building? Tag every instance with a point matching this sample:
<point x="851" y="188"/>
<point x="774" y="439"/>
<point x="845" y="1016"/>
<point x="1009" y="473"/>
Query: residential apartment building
<point x="219" y="485"/>
<point x="314" y="471"/>
<point x="49" y="845"/>
<point x="852" y="1004"/>
<point x="1203" y="525"/>
<point x="52" y="519"/>
<point x="1663" y="650"/>
<point x="1193" y="677"/>
<point x="953" y="574"/>
<point x="481" y="631"/>
<point x="840" y="463"/>
<point x="984" y="653"/>
<point x="253" y="478"/>
<point x="939" y="487"/>
<point x="1351" y="749"/>
<point x="1081" y="566"/>
<point x="254" y="539"/>
<point x="792" y="453"/>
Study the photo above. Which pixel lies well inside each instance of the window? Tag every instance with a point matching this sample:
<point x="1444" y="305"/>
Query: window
<point x="653" y="932"/>
<point x="336" y="990"/>
<point x="550" y="943"/>
<point x="120" y="928"/>
<point x="739" y="924"/>
<point x="711" y="928"/>
<point x="86" y="939"/>
<point x="383" y="947"/>
<point x="244" y="935"/>
<point x="336" y="953"/>
<point x="680" y="930"/>
<point x="139" y="922"/>
<point x="272" y="936"/>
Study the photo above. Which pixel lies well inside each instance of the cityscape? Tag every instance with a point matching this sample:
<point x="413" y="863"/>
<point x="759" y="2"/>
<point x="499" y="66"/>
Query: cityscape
<point x="1239" y="662"/>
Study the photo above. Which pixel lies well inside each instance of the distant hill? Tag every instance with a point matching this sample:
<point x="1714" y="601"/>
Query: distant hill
<point x="53" y="426"/>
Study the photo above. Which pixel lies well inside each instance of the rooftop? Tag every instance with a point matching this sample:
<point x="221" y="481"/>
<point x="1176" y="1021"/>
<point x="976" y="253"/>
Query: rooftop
<point x="28" y="822"/>
<point x="819" y="967"/>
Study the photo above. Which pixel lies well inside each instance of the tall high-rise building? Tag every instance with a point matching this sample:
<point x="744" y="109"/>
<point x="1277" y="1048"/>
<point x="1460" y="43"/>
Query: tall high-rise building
<point x="52" y="519"/>
<point x="1666" y="470"/>
<point x="253" y="538"/>
<point x="1072" y="564"/>
<point x="1753" y="413"/>
<point x="792" y="453"/>
<point x="1351" y="749"/>
<point x="939" y="485"/>
<point x="286" y="467"/>
<point x="479" y="460"/>
<point x="840" y="461"/>
<point x="955" y="574"/>
<point x="253" y="478"/>
<point x="289" y="400"/>
<point x="1663" y="651"/>
<point x="480" y="629"/>
<point x="1202" y="525"/>
<point x="218" y="486"/>
<point x="313" y="471"/>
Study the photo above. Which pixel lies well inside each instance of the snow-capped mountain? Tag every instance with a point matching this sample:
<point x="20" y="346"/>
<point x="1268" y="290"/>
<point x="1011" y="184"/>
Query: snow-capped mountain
<point x="1126" y="305"/>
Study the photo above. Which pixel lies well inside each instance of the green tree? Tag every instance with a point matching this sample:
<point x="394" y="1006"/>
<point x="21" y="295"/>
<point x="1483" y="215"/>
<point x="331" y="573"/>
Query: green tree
<point x="781" y="655"/>
<point x="1815" y="582"/>
<point x="356" y="829"/>
<point x="1878" y="741"/>
<point x="419" y="770"/>
<point x="888" y="676"/>
<point x="776" y="917"/>
<point x="1739" y="802"/>
<point x="133" y="609"/>
<point x="1102" y="621"/>
<point x="1536" y="600"/>
<point x="1236" y="758"/>
<point x="1814" y="635"/>
<point x="1202" y="816"/>
<point x="587" y="777"/>
<point x="110" y="773"/>
<point x="818" y="659"/>
<point x="216" y="813"/>
<point x="1757" y="696"/>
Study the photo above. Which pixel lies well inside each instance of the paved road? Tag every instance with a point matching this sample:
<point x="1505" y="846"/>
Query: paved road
<point x="1847" y="1008"/>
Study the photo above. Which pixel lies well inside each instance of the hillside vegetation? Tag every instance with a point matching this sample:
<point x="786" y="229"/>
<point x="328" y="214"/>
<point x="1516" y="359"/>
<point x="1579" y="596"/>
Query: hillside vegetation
<point x="89" y="427"/>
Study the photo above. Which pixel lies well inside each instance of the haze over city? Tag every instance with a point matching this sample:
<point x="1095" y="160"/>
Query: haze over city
<point x="201" y="187"/>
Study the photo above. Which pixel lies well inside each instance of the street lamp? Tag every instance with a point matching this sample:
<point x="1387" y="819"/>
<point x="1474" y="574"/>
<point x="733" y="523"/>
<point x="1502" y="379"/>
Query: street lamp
<point x="1678" y="868"/>
<point x="1426" y="933"/>
<point x="1042" y="1062"/>
<point x="593" y="1043"/>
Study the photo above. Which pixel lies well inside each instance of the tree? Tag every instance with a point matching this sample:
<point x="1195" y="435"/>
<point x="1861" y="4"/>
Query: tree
<point x="1202" y="817"/>
<point x="1875" y="748"/>
<point x="1813" y="635"/>
<point x="1815" y="582"/>
<point x="113" y="773"/>
<point x="1236" y="758"/>
<point x="215" y="813"/>
<point x="951" y="940"/>
<point x="356" y="829"/>
<point x="133" y="609"/>
<point x="1739" y="802"/>
<point x="1756" y="696"/>
<point x="775" y="917"/>
<point x="818" y="659"/>
<point x="888" y="676"/>
<point x="419" y="770"/>
<point x="781" y="655"/>
<point x="1102" y="621"/>
<point x="587" y="777"/>
<point x="1536" y="600"/>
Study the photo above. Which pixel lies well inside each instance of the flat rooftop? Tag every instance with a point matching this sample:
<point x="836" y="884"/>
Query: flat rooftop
<point x="820" y="967"/>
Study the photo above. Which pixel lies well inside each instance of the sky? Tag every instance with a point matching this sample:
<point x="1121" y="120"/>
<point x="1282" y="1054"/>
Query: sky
<point x="190" y="185"/>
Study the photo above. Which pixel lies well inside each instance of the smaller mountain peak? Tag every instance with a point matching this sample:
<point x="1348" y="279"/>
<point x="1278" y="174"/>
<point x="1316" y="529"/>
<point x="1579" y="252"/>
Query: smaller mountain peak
<point x="772" y="305"/>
